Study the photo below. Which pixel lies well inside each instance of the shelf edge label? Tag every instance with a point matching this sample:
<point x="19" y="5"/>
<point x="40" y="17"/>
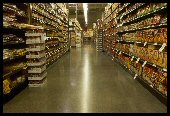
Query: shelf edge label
<point x="144" y="63"/>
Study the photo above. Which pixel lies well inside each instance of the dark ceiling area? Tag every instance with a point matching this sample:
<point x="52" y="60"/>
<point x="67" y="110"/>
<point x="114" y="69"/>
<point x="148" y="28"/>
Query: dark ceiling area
<point x="95" y="11"/>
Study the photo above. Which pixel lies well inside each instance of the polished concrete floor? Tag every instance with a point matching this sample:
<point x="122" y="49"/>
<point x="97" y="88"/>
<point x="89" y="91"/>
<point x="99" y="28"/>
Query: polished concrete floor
<point x="86" y="81"/>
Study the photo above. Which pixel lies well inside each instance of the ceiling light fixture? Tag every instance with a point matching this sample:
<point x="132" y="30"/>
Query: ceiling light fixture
<point x="85" y="8"/>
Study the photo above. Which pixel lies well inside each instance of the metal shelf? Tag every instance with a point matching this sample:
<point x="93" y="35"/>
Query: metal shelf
<point x="141" y="17"/>
<point x="12" y="72"/>
<point x="153" y="90"/>
<point x="145" y="28"/>
<point x="150" y="63"/>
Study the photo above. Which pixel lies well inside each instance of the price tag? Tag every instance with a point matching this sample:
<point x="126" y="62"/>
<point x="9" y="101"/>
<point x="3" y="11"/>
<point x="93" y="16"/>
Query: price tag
<point x="151" y="86"/>
<point x="132" y="58"/>
<point x="164" y="69"/>
<point x="137" y="60"/>
<point x="155" y="44"/>
<point x="144" y="63"/>
<point x="163" y="46"/>
<point x="135" y="76"/>
<point x="145" y="43"/>
<point x="154" y="65"/>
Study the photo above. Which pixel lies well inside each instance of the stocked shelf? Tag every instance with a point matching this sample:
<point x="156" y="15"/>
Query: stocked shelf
<point x="13" y="58"/>
<point x="133" y="10"/>
<point x="145" y="28"/>
<point x="12" y="72"/>
<point x="150" y="63"/>
<point x="137" y="38"/>
<point x="17" y="89"/>
<point x="16" y="42"/>
<point x="138" y="42"/>
<point x="141" y="17"/>
<point x="15" y="23"/>
<point x="161" y="96"/>
<point x="36" y="56"/>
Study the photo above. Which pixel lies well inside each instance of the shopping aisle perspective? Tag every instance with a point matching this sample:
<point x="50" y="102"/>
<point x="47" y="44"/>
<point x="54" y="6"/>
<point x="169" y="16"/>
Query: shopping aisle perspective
<point x="86" y="81"/>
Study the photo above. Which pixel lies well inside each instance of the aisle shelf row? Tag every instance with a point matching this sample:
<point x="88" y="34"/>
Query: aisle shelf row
<point x="54" y="60"/>
<point x="144" y="28"/>
<point x="131" y="11"/>
<point x="141" y="17"/>
<point x="56" y="16"/>
<point x="124" y="66"/>
<point x="115" y="10"/>
<point x="17" y="27"/>
<point x="150" y="63"/>
<point x="123" y="8"/>
<point x="14" y="58"/>
<point x="12" y="72"/>
<point x="48" y="23"/>
<point x="139" y="78"/>
<point x="16" y="42"/>
<point x="15" y="91"/>
<point x="61" y="9"/>
<point x="41" y="22"/>
<point x="146" y="43"/>
<point x="124" y="21"/>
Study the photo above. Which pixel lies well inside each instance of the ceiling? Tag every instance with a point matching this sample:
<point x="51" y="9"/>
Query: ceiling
<point x="95" y="11"/>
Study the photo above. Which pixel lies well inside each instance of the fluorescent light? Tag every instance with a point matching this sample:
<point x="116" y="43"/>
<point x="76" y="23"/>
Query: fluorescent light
<point x="85" y="12"/>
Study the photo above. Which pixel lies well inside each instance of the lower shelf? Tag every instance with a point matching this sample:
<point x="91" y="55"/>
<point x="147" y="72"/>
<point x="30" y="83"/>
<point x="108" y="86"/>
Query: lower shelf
<point x="14" y="92"/>
<point x="55" y="60"/>
<point x="162" y="98"/>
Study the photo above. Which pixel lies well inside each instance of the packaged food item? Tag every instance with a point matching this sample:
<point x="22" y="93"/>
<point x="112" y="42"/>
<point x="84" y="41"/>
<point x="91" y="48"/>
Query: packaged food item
<point x="6" y="86"/>
<point x="160" y="59"/>
<point x="156" y="19"/>
<point x="165" y="59"/>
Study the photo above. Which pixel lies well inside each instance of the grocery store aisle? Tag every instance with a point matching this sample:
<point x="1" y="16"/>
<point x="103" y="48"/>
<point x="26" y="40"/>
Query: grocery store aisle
<point x="86" y="81"/>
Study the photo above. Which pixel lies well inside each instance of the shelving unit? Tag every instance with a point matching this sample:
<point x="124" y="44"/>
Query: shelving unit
<point x="15" y="17"/>
<point x="99" y="39"/>
<point x="36" y="57"/>
<point x="75" y="31"/>
<point x="95" y="33"/>
<point x="135" y="36"/>
<point x="54" y="19"/>
<point x="72" y="33"/>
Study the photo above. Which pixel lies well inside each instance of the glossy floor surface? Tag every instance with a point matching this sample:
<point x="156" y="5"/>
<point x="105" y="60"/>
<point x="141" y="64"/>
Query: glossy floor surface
<point x="86" y="81"/>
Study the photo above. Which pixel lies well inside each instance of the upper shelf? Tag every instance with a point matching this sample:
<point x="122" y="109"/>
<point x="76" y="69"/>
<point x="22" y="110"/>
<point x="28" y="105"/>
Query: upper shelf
<point x="144" y="16"/>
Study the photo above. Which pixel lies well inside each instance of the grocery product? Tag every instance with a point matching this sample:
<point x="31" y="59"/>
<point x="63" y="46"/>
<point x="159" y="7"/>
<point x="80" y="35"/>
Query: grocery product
<point x="141" y="37"/>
